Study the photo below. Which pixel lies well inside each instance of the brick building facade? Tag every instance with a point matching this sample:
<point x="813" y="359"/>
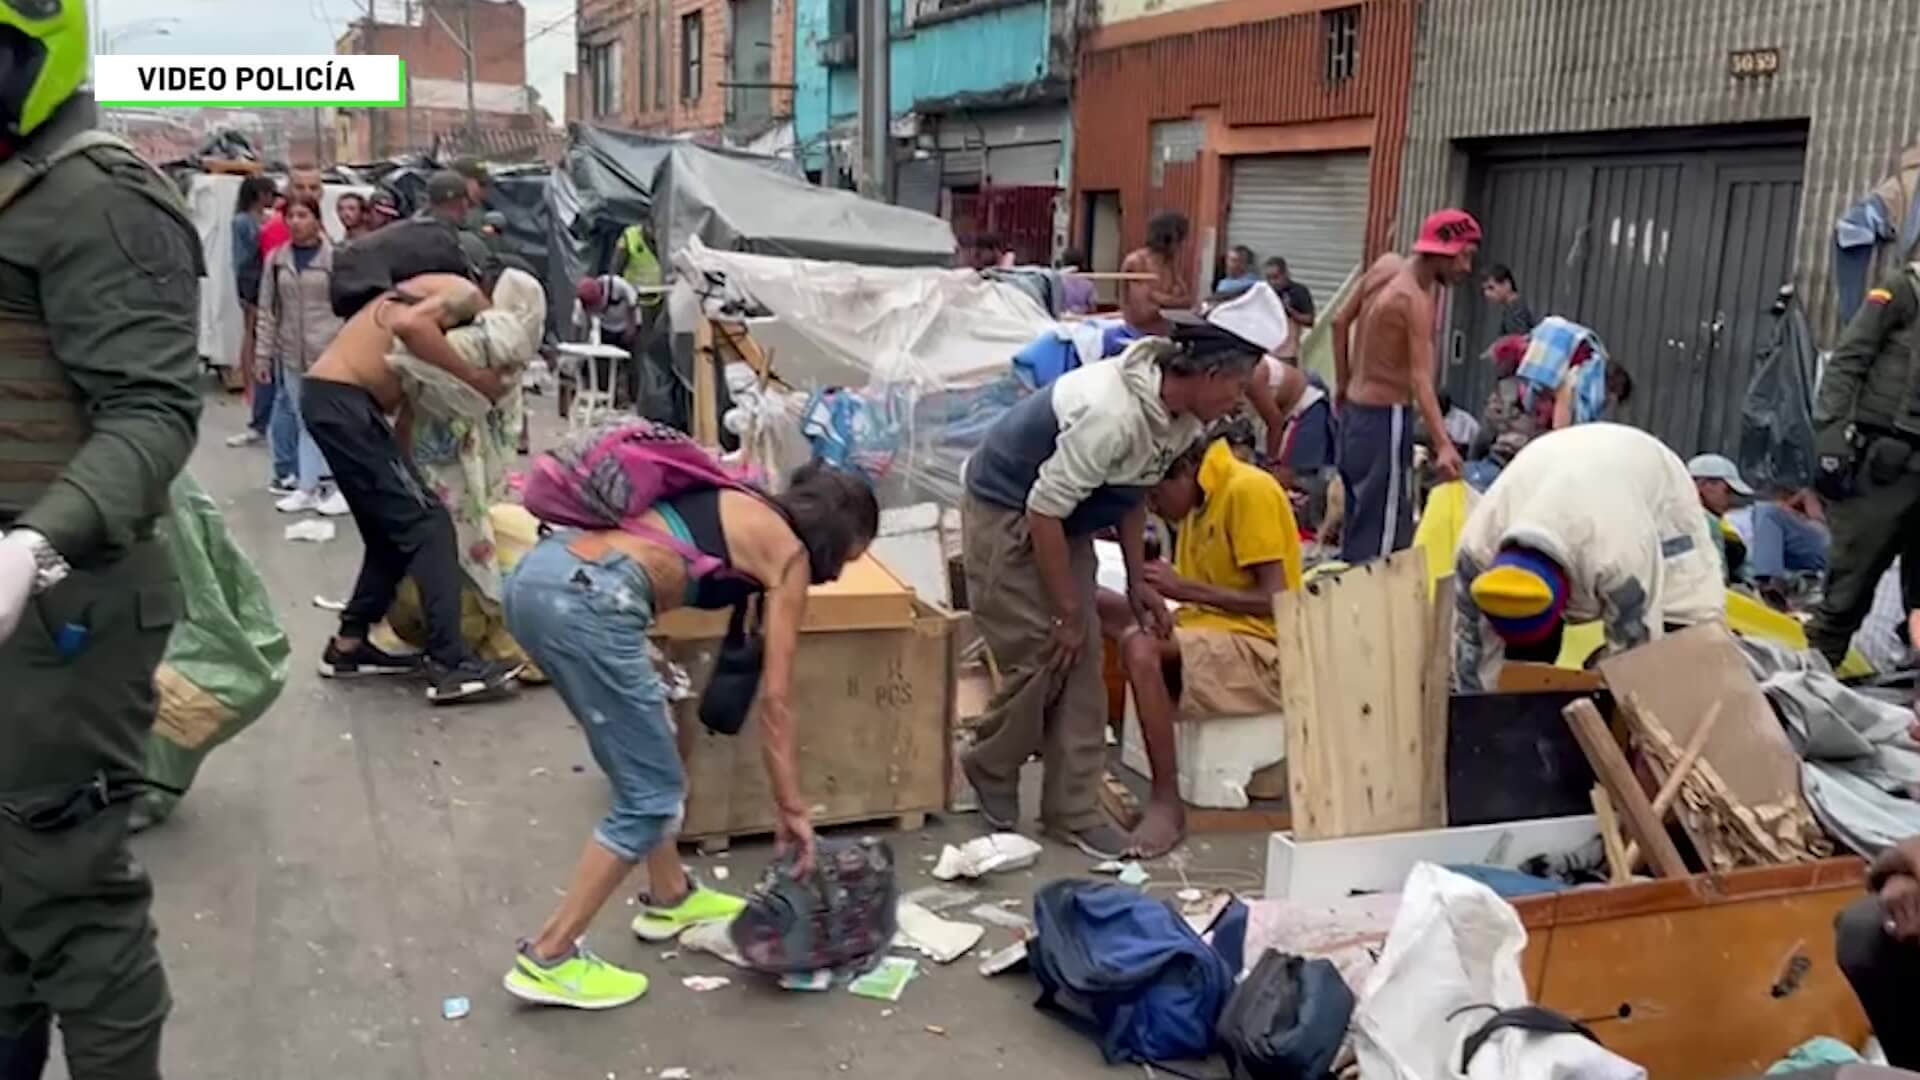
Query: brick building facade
<point x="718" y="67"/>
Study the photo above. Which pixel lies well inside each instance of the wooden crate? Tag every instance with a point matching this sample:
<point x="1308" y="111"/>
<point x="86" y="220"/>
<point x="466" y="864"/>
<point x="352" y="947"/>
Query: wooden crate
<point x="873" y="701"/>
<point x="1711" y="977"/>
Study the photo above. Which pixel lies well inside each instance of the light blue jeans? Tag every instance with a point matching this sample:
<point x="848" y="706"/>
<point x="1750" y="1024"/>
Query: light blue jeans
<point x="1785" y="542"/>
<point x="295" y="453"/>
<point x="585" y="624"/>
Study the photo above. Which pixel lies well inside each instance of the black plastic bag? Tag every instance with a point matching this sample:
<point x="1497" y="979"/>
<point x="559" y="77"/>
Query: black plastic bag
<point x="1776" y="451"/>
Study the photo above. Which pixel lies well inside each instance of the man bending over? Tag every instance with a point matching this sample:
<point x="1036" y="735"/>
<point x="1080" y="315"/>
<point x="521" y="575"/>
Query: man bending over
<point x="349" y="393"/>
<point x="1383" y="360"/>
<point x="1237" y="546"/>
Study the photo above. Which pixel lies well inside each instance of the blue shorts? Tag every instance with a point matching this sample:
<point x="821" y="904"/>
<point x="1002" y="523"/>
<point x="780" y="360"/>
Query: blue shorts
<point x="1376" y="467"/>
<point x="585" y="624"/>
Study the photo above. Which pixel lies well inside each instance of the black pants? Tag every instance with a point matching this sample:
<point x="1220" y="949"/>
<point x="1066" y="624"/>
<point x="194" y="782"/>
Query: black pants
<point x="1885" y="975"/>
<point x="407" y="533"/>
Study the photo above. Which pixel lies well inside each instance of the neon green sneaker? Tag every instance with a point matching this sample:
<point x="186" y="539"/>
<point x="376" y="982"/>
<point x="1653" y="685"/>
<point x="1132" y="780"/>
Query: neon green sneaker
<point x="581" y="981"/>
<point x="701" y="905"/>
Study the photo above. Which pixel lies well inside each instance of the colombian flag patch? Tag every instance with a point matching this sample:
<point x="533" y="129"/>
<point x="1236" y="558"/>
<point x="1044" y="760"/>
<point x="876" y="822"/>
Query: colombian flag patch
<point x="1879" y="296"/>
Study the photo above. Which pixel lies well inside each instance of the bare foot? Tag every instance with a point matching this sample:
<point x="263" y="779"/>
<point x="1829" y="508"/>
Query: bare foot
<point x="1161" y="829"/>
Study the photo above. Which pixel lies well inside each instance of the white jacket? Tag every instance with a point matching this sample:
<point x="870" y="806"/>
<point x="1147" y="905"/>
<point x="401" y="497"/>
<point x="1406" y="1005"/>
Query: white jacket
<point x="1614" y="507"/>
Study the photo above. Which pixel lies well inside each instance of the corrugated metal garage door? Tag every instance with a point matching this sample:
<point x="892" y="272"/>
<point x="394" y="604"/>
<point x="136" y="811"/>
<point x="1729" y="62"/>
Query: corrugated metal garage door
<point x="1309" y="209"/>
<point x="1672" y="258"/>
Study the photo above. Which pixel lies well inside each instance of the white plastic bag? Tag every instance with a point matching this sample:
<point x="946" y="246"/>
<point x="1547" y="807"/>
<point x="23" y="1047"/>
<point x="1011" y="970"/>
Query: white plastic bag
<point x="1455" y="948"/>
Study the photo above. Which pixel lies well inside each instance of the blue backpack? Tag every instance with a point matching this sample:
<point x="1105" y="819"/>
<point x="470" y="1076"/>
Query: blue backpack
<point x="1130" y="968"/>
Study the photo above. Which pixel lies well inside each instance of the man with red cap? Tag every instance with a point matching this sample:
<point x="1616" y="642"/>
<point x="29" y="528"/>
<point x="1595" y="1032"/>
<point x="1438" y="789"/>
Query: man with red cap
<point x="1594" y="522"/>
<point x="1383" y="368"/>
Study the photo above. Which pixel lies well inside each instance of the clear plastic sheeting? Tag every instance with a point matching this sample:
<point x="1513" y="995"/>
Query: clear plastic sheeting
<point x="898" y="372"/>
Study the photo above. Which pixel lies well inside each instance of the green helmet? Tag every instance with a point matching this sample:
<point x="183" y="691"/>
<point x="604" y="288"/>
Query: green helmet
<point x="43" y="59"/>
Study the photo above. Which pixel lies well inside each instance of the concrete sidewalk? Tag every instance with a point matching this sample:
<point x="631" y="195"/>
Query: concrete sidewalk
<point x="358" y="856"/>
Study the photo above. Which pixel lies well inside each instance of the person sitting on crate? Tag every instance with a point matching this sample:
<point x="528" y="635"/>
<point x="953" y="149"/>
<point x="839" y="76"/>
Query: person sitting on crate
<point x="1237" y="546"/>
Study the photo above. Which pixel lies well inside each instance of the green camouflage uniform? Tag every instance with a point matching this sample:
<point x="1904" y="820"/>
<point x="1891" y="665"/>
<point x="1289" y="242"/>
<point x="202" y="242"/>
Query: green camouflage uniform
<point x="99" y="409"/>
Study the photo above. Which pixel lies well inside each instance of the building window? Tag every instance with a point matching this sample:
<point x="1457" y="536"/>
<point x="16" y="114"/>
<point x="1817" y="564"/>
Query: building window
<point x="603" y="78"/>
<point x="692" y="53"/>
<point x="1343" y="43"/>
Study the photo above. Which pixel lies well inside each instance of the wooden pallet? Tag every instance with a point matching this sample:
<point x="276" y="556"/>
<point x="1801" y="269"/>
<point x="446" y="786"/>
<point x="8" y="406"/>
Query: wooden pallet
<point x="715" y="843"/>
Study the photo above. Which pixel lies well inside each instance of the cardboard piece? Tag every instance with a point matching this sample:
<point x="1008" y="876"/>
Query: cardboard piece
<point x="867" y="596"/>
<point x="1360" y="730"/>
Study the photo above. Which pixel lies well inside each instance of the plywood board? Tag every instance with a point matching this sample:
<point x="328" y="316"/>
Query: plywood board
<point x="1702" y="978"/>
<point x="1354" y="657"/>
<point x="1680" y="676"/>
<point x="1327" y="871"/>
<point x="873" y="710"/>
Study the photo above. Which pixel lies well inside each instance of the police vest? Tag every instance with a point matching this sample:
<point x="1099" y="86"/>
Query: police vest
<point x="43" y="422"/>
<point x="643" y="268"/>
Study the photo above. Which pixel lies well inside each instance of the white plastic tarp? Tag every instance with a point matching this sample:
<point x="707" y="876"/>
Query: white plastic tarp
<point x="1455" y="950"/>
<point x="211" y="199"/>
<point x="945" y="329"/>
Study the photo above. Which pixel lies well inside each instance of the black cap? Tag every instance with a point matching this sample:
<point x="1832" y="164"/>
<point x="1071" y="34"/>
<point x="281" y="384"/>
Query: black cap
<point x="446" y="185"/>
<point x="472" y="169"/>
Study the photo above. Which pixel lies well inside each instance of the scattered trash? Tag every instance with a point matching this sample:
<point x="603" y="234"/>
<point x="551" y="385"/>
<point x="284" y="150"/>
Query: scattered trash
<point x="985" y="855"/>
<point x="941" y="939"/>
<point x="720" y="873"/>
<point x="999" y="916"/>
<point x="812" y="980"/>
<point x="712" y="938"/>
<point x="936" y="1029"/>
<point x="670" y="954"/>
<point x="579" y="768"/>
<point x="701" y="984"/>
<point x="537" y="770"/>
<point x="1189" y="895"/>
<point x="455" y="1008"/>
<point x="675" y="1073"/>
<point x="1006" y="959"/>
<point x="887" y="981"/>
<point x="1134" y="874"/>
<point x="941" y="897"/>
<point x="346" y="736"/>
<point x="312" y="530"/>
<point x="1111" y="866"/>
<point x="324" y="604"/>
<point x="884" y="1013"/>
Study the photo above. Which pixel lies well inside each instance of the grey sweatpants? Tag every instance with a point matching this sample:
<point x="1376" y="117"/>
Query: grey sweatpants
<point x="1062" y="715"/>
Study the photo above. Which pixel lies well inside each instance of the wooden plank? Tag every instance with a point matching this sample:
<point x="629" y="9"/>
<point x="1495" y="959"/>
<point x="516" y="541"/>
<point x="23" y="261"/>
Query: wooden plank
<point x="1670" y="787"/>
<point x="1680" y="676"/>
<point x="1525" y="678"/>
<point x="1436" y="688"/>
<point x="1703" y="978"/>
<point x="706" y="395"/>
<point x="1619" y="862"/>
<point x="1610" y="765"/>
<point x="1353" y="648"/>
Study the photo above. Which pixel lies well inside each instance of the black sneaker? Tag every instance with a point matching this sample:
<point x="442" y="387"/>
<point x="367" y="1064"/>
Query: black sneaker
<point x="472" y="679"/>
<point x="364" y="660"/>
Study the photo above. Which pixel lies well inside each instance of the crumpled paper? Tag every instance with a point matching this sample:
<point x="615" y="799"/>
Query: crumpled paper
<point x="985" y="855"/>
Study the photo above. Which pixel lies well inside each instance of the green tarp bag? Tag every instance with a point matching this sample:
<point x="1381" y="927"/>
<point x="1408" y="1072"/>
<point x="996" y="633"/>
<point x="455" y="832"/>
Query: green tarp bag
<point x="226" y="662"/>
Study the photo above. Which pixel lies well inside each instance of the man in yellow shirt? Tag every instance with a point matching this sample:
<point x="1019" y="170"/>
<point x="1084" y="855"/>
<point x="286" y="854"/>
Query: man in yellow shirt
<point x="1237" y="546"/>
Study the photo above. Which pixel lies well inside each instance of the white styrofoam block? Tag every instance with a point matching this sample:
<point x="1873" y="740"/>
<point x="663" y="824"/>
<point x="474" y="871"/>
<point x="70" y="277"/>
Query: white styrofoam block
<point x="1320" y="871"/>
<point x="917" y="559"/>
<point x="1217" y="756"/>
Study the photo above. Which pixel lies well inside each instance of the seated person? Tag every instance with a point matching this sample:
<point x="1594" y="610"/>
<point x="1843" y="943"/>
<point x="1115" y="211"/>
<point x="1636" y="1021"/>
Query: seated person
<point x="1878" y="946"/>
<point x="1787" y="542"/>
<point x="1237" y="546"/>
<point x="1717" y="481"/>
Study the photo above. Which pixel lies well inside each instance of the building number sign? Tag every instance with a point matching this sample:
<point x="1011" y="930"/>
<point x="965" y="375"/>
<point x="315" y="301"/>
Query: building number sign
<point x="1753" y="63"/>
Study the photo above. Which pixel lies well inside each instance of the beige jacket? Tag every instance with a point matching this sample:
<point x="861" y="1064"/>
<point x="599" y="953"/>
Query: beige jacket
<point x="296" y="319"/>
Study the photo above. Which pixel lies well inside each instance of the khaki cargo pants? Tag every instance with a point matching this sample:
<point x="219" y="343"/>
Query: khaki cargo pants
<point x="76" y="941"/>
<point x="1060" y="715"/>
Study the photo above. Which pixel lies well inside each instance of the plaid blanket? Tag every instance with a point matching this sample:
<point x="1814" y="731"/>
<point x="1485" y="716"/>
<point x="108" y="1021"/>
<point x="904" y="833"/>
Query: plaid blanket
<point x="1551" y="350"/>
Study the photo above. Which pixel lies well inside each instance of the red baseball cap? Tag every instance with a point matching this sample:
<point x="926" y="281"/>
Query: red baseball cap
<point x="1447" y="232"/>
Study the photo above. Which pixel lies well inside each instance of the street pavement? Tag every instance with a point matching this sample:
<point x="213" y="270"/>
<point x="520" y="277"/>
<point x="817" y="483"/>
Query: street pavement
<point x="357" y="857"/>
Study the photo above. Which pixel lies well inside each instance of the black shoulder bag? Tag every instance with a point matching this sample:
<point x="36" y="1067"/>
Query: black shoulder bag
<point x="735" y="678"/>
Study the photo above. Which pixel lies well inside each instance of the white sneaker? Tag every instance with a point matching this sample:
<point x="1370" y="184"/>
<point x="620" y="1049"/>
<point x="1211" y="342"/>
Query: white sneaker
<point x="334" y="505"/>
<point x="248" y="437"/>
<point x="300" y="502"/>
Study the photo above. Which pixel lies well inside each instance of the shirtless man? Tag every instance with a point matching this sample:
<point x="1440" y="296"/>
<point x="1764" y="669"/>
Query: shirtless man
<point x="348" y="395"/>
<point x="1141" y="302"/>
<point x="1382" y="368"/>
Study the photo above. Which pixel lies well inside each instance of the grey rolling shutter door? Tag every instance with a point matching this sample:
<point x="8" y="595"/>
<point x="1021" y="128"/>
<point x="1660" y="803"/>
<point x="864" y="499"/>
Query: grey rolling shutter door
<point x="1309" y="209"/>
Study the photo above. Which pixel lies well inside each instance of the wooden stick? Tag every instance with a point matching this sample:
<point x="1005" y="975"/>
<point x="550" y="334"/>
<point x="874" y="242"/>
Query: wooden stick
<point x="1670" y="787"/>
<point x="1619" y="863"/>
<point x="1610" y="765"/>
<point x="706" y="397"/>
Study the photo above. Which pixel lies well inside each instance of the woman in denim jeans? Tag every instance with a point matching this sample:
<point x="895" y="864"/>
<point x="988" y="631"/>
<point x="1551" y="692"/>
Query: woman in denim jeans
<point x="582" y="604"/>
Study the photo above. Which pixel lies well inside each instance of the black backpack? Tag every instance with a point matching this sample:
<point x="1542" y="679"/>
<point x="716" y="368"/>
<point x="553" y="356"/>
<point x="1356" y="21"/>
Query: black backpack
<point x="366" y="268"/>
<point x="1286" y="1020"/>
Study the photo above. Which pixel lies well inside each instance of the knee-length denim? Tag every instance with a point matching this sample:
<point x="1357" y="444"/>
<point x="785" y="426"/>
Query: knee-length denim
<point x="585" y="623"/>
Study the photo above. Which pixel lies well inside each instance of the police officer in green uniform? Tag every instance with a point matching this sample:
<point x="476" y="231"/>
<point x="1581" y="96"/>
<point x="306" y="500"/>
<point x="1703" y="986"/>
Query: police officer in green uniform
<point x="1866" y="421"/>
<point x="99" y="268"/>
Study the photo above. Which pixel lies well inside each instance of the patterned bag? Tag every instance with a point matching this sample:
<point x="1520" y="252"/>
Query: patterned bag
<point x="840" y="916"/>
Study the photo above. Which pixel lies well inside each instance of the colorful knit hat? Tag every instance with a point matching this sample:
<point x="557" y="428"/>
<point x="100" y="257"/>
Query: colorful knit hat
<point x="1523" y="595"/>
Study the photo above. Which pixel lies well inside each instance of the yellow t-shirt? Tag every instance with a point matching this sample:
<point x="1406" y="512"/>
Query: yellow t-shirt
<point x="1245" y="520"/>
